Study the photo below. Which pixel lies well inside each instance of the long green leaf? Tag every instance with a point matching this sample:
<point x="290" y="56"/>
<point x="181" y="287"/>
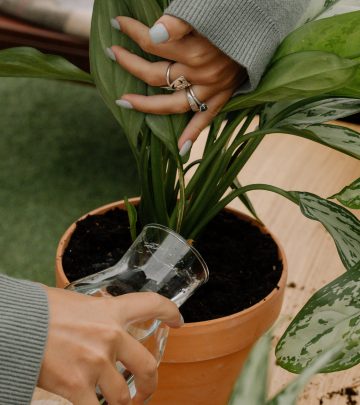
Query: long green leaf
<point x="112" y="80"/>
<point x="289" y="395"/>
<point x="340" y="138"/>
<point x="309" y="111"/>
<point x="132" y="214"/>
<point x="315" y="9"/>
<point x="299" y="75"/>
<point x="339" y="35"/>
<point x="336" y="7"/>
<point x="245" y="199"/>
<point x="29" y="62"/>
<point x="329" y="318"/>
<point x="342" y="225"/>
<point x="349" y="195"/>
<point x="251" y="386"/>
<point x="167" y="128"/>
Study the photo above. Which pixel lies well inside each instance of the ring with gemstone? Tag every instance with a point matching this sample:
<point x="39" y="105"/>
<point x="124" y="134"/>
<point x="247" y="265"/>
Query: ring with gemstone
<point x="195" y="104"/>
<point x="178" y="84"/>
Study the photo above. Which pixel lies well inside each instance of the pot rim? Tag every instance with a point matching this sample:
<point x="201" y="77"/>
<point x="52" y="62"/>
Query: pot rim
<point x="187" y="326"/>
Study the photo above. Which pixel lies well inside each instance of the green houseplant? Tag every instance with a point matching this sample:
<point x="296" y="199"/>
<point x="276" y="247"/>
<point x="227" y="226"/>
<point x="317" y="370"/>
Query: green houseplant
<point x="312" y="79"/>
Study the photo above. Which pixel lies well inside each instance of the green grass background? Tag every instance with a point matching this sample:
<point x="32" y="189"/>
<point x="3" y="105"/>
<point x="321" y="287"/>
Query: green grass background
<point x="61" y="155"/>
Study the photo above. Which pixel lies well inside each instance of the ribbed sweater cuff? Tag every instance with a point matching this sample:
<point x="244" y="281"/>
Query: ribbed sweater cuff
<point x="23" y="334"/>
<point x="241" y="29"/>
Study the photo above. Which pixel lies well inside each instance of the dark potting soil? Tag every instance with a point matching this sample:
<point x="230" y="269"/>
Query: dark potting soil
<point x="243" y="262"/>
<point x="348" y="392"/>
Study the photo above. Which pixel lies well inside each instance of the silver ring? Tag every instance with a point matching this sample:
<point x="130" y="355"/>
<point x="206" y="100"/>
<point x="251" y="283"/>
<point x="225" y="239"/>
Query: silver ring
<point x="178" y="84"/>
<point x="195" y="104"/>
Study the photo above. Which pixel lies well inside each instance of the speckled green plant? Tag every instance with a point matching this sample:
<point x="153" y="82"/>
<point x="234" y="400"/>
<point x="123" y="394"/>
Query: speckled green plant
<point x="313" y="77"/>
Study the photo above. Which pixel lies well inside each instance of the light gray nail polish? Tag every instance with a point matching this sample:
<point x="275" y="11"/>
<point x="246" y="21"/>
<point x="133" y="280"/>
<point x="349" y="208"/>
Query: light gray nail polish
<point x="115" y="24"/>
<point x="124" y="104"/>
<point x="185" y="148"/>
<point x="110" y="53"/>
<point x="159" y="34"/>
<point x="182" y="320"/>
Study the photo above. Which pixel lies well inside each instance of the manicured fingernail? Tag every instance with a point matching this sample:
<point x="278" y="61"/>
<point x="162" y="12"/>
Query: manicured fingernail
<point x="124" y="104"/>
<point x="185" y="148"/>
<point x="115" y="24"/>
<point x="159" y="34"/>
<point x="109" y="52"/>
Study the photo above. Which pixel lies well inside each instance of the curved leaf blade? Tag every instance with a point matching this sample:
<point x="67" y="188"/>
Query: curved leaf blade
<point x="289" y="395"/>
<point x="167" y="128"/>
<point x="339" y="35"/>
<point x="342" y="225"/>
<point x="29" y="62"/>
<point x="349" y="195"/>
<point x="329" y="318"/>
<point x="299" y="75"/>
<point x="310" y="111"/>
<point x="251" y="386"/>
<point x="339" y="138"/>
<point x="111" y="79"/>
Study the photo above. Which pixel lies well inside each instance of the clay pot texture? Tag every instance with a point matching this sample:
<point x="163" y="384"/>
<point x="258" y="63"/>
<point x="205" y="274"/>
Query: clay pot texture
<point x="203" y="359"/>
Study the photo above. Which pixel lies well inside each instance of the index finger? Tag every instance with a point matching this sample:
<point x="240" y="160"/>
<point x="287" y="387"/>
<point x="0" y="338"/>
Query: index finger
<point x="169" y="28"/>
<point x="140" y="34"/>
<point x="141" y="307"/>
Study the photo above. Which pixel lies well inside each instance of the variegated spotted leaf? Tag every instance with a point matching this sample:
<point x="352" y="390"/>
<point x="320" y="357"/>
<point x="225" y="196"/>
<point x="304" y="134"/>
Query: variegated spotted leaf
<point x="350" y="195"/>
<point x="342" y="225"/>
<point x="339" y="7"/>
<point x="307" y="112"/>
<point x="29" y="62"/>
<point x="340" y="138"/>
<point x="315" y="9"/>
<point x="289" y="395"/>
<point x="330" y="317"/>
<point x="251" y="386"/>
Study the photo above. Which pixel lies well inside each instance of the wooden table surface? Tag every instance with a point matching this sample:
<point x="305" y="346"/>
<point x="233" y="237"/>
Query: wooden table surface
<point x="295" y="164"/>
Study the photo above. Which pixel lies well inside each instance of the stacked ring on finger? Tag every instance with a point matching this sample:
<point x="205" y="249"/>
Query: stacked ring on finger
<point x="195" y="104"/>
<point x="178" y="84"/>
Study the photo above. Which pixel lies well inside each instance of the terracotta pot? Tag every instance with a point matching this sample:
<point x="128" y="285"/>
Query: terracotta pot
<point x="202" y="360"/>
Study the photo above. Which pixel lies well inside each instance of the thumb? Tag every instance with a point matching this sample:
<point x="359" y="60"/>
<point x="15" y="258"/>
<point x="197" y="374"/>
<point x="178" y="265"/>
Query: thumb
<point x="169" y="28"/>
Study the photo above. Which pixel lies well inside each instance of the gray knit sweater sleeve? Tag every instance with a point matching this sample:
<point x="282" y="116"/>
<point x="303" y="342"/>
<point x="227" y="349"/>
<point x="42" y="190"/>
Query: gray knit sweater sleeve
<point x="23" y="334"/>
<point x="249" y="31"/>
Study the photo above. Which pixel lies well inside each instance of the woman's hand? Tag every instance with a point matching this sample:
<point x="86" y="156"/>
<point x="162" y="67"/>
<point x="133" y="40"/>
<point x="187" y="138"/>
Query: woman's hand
<point x="87" y="335"/>
<point x="214" y="75"/>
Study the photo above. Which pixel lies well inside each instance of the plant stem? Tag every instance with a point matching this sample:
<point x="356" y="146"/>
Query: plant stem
<point x="214" y="152"/>
<point x="158" y="181"/>
<point x="226" y="200"/>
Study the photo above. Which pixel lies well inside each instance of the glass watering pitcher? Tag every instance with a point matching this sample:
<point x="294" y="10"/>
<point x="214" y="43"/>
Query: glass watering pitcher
<point x="159" y="261"/>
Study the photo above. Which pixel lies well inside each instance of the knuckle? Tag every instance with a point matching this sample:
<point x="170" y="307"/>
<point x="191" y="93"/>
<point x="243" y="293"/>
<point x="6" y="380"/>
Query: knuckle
<point x="149" y="368"/>
<point x="154" y="299"/>
<point x="123" y="398"/>
<point x="76" y="384"/>
<point x="212" y="75"/>
<point x="146" y="44"/>
<point x="195" y="60"/>
<point x="99" y="359"/>
<point x="213" y="112"/>
<point x="153" y="81"/>
<point x="113" y="334"/>
<point x="183" y="108"/>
